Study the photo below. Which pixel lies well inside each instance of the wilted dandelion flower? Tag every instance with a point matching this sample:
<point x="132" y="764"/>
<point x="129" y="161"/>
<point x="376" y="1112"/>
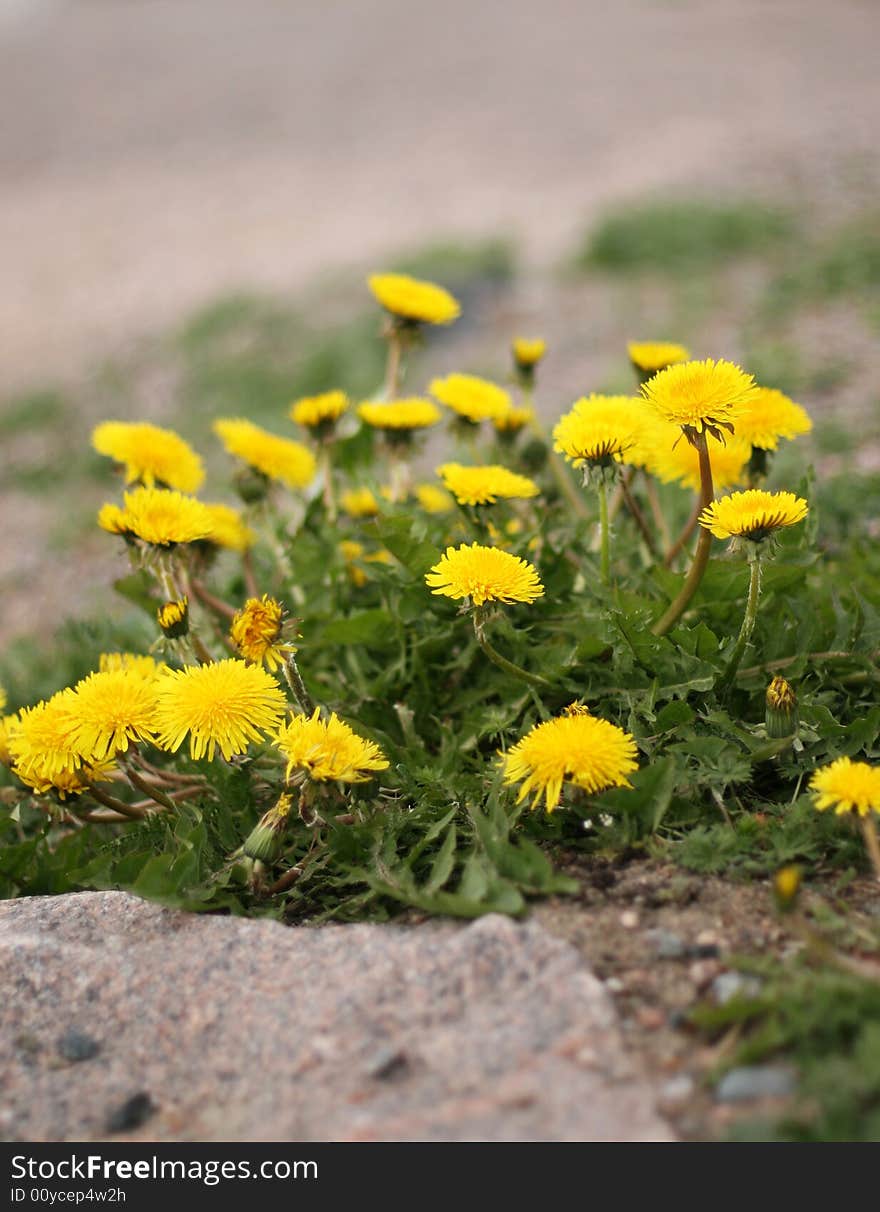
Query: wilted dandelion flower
<point x="256" y="632"/>
<point x="753" y="514"/>
<point x="485" y="485"/>
<point x="224" y="705"/>
<point x="158" y="516"/>
<point x="359" y="503"/>
<point x="768" y="416"/>
<point x="228" y="528"/>
<point x="484" y="574"/>
<point x="471" y="398"/>
<point x="575" y="748"/>
<point x="150" y="455"/>
<point x="528" y="352"/>
<point x="847" y="786"/>
<point x="701" y="397"/>
<point x="671" y="459"/>
<point x="276" y="458"/>
<point x="399" y="415"/>
<point x="328" y="750"/>
<point x="111" y="711"/>
<point x="651" y="356"/>
<point x="598" y="430"/>
<point x="414" y="301"/>
<point x="433" y="499"/>
<point x="319" y="412"/>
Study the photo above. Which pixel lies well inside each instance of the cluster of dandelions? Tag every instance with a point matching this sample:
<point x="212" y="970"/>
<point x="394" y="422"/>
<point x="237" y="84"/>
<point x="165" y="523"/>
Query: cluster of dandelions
<point x="224" y="678"/>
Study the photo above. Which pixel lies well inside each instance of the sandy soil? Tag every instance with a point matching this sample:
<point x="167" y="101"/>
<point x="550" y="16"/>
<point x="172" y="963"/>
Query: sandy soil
<point x="163" y="152"/>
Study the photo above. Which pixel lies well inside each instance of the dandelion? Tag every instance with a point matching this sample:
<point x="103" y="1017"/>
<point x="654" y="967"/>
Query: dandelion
<point x="359" y="503"/>
<point x="327" y="750"/>
<point x="145" y="667"/>
<point x="508" y="424"/>
<point x="433" y="499"/>
<point x="40" y="742"/>
<point x="577" y="748"/>
<point x="228" y="528"/>
<point x="68" y="782"/>
<point x="786" y="886"/>
<point x="8" y="727"/>
<point x="851" y="788"/>
<point x="781" y="709"/>
<point x="264" y="840"/>
<point x="471" y="398"/>
<point x="399" y="419"/>
<point x="671" y="459"/>
<point x="650" y="356"/>
<point x="528" y="351"/>
<point x="158" y="517"/>
<point x="256" y="632"/>
<point x="769" y="415"/>
<point x="150" y="455"/>
<point x="412" y="301"/>
<point x="484" y="574"/>
<point x="111" y="711"/>
<point x="173" y="618"/>
<point x="266" y="454"/>
<point x="319" y="413"/>
<point x="701" y="397"/>
<point x="485" y="485"/>
<point x="224" y="705"/>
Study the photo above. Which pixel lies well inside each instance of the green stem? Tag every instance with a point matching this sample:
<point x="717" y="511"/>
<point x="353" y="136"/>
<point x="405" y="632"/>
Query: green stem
<point x="298" y="686"/>
<point x="329" y="494"/>
<point x="638" y="517"/>
<point x="701" y="556"/>
<point x="393" y="365"/>
<point x="558" y="467"/>
<point x="119" y="806"/>
<point x="604" y="554"/>
<point x="748" y="623"/>
<point x="534" y="679"/>
<point x="150" y="789"/>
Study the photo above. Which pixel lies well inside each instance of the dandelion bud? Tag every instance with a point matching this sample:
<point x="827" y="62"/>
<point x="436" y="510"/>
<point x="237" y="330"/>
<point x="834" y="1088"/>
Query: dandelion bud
<point x="264" y="840"/>
<point x="786" y="886"/>
<point x="173" y="618"/>
<point x="781" y="712"/>
<point x="251" y="485"/>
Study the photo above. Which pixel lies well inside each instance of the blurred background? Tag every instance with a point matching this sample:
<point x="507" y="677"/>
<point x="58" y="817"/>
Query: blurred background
<point x="194" y="190"/>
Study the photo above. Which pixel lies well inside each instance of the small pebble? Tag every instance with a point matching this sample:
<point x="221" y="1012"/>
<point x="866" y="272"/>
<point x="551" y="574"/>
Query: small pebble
<point x="629" y="919"/>
<point x="666" y="944"/>
<point x="614" y="985"/>
<point x="132" y="1113"/>
<point x="702" y="972"/>
<point x="77" y="1046"/>
<point x="755" y="1081"/>
<point x="677" y="1090"/>
<point x="650" y="1017"/>
<point x="707" y="938"/>
<point x="387" y="1064"/>
<point x="729" y="985"/>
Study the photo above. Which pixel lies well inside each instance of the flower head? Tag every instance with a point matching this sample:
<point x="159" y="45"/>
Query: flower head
<point x="484" y="574"/>
<point x="256" y="632"/>
<point x="150" y="455"/>
<point x="40" y="742"/>
<point x="8" y="729"/>
<point x="224" y="705"/>
<point x="265" y="839"/>
<point x="276" y="458"/>
<point x="433" y="499"/>
<point x="144" y="666"/>
<point x="701" y="397"/>
<point x="780" y="709"/>
<point x="414" y="301"/>
<point x="158" y="517"/>
<point x="110" y="711"/>
<point x="69" y="781"/>
<point x="651" y="356"/>
<point x="768" y="416"/>
<point x="471" y="398"/>
<point x="753" y="514"/>
<point x="847" y="786"/>
<point x="228" y="528"/>
<point x="319" y="412"/>
<point x="173" y="618"/>
<point x="408" y="414"/>
<point x="513" y="420"/>
<point x="666" y="454"/>
<point x="359" y="503"/>
<point x="484" y="485"/>
<point x="527" y="352"/>
<point x="577" y="748"/>
<point x="328" y="750"/>
<point x="599" y="430"/>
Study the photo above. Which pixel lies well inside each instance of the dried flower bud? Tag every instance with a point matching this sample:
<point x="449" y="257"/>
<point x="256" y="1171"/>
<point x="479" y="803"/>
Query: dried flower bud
<point x="781" y="713"/>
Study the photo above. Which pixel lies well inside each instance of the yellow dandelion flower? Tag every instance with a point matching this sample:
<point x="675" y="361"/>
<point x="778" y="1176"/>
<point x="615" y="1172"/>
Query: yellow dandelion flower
<point x="224" y="706"/>
<point x="433" y="499"/>
<point x="9" y="725"/>
<point x="651" y="356"/>
<point x="328" y="750"/>
<point x="513" y="420"/>
<point x="576" y="748"/>
<point x="256" y="632"/>
<point x="315" y="412"/>
<point x="753" y="514"/>
<point x="158" y="516"/>
<point x="471" y="398"/>
<point x="528" y="352"/>
<point x="351" y="552"/>
<point x="173" y="618"/>
<point x="276" y="458"/>
<point x="599" y="430"/>
<point x="768" y="416"/>
<point x="111" y="711"/>
<point x="484" y="485"/>
<point x="484" y="574"/>
<point x="70" y="781"/>
<point x="359" y="503"/>
<point x="700" y="396"/>
<point x="144" y="666"/>
<point x="150" y="455"/>
<point x="2" y="698"/>
<point x="407" y="414"/>
<point x="228" y="528"/>
<point x="667" y="455"/>
<point x="847" y="786"/>
<point x="414" y="301"/>
<point x="40" y="742"/>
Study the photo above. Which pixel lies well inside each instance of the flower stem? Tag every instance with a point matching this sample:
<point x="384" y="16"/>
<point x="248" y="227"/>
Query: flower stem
<point x="297" y="685"/>
<point x="150" y="789"/>
<point x="393" y="365"/>
<point x="683" y="539"/>
<point x="558" y="467"/>
<point x="247" y="568"/>
<point x="748" y="623"/>
<point x="534" y="679"/>
<point x="701" y="556"/>
<point x="872" y="845"/>
<point x="638" y="517"/>
<point x="604" y="554"/>
<point x="129" y="811"/>
<point x="329" y="494"/>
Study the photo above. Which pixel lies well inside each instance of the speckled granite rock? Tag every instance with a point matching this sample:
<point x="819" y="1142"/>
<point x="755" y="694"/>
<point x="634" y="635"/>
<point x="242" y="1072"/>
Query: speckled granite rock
<point x="211" y="1028"/>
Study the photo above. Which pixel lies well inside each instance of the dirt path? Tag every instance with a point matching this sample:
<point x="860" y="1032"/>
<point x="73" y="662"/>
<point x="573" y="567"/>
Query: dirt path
<point x="163" y="152"/>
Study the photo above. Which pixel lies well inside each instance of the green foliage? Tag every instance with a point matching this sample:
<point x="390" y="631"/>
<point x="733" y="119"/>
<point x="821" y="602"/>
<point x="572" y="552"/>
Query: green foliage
<point x="678" y="237"/>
